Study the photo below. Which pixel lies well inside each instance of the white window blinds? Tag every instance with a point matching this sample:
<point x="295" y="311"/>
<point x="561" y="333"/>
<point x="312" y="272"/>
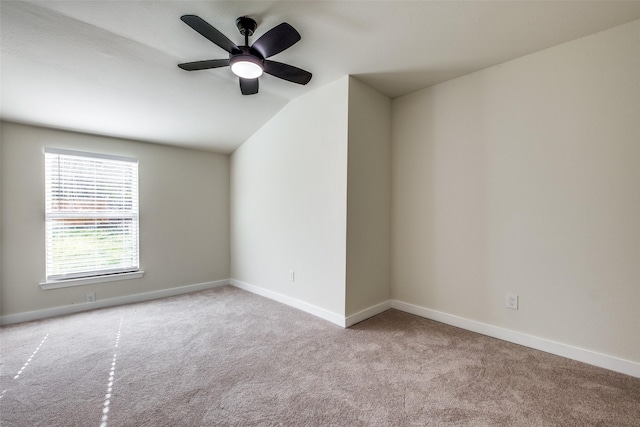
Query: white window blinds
<point x="91" y="213"/>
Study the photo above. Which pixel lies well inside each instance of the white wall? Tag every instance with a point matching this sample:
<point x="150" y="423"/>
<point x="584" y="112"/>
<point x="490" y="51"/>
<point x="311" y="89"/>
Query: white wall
<point x="288" y="201"/>
<point x="184" y="217"/>
<point x="525" y="178"/>
<point x="368" y="198"/>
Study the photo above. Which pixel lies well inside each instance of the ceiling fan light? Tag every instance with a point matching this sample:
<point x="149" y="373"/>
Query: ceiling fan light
<point x="246" y="66"/>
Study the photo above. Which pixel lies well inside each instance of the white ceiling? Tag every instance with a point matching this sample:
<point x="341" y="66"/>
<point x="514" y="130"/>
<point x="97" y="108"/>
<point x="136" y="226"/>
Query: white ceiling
<point x="109" y="67"/>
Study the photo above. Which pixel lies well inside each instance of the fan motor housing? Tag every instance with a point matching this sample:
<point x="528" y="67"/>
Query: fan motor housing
<point x="246" y="51"/>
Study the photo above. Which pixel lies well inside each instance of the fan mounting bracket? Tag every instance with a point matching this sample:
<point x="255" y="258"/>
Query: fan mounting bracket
<point x="246" y="26"/>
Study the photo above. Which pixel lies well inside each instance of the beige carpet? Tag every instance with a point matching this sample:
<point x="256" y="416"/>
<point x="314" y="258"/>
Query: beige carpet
<point x="228" y="357"/>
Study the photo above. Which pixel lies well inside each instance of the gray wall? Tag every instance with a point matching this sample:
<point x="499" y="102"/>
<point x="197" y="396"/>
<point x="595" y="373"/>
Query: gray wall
<point x="184" y="217"/>
<point x="368" y="198"/>
<point x="288" y="201"/>
<point x="525" y="178"/>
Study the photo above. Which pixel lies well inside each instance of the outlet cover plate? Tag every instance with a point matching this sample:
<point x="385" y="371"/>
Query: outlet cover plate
<point x="512" y="301"/>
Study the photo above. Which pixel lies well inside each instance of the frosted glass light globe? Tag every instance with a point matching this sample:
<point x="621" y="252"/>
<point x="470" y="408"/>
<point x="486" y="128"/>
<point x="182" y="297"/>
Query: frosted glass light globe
<point x="246" y="69"/>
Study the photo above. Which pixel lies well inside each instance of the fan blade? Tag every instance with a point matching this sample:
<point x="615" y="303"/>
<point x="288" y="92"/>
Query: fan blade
<point x="287" y="72"/>
<point x="204" y="28"/>
<point x="248" y="86"/>
<point x="204" y="65"/>
<point x="276" y="40"/>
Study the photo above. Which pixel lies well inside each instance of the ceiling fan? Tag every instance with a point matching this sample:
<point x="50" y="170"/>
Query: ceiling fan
<point x="249" y="62"/>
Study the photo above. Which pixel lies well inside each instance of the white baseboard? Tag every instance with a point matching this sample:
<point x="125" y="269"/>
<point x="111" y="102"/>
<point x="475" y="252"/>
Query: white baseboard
<point x="367" y="313"/>
<point x="580" y="354"/>
<point x="110" y="302"/>
<point x="292" y="302"/>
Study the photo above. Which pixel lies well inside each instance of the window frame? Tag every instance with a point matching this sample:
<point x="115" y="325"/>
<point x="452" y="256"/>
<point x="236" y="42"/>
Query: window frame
<point x="103" y="275"/>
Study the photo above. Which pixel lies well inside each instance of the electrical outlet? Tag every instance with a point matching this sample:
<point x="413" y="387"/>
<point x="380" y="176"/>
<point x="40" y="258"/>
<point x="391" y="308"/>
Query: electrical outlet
<point x="512" y="301"/>
<point x="292" y="276"/>
<point x="91" y="297"/>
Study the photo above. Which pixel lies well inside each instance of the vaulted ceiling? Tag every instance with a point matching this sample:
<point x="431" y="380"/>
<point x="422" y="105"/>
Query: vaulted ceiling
<point x="110" y="67"/>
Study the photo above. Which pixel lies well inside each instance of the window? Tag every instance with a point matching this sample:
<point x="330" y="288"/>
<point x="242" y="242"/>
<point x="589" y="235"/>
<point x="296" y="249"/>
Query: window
<point x="91" y="213"/>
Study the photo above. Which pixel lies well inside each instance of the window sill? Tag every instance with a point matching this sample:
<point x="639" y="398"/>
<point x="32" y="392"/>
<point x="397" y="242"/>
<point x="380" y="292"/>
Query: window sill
<point x="55" y="284"/>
